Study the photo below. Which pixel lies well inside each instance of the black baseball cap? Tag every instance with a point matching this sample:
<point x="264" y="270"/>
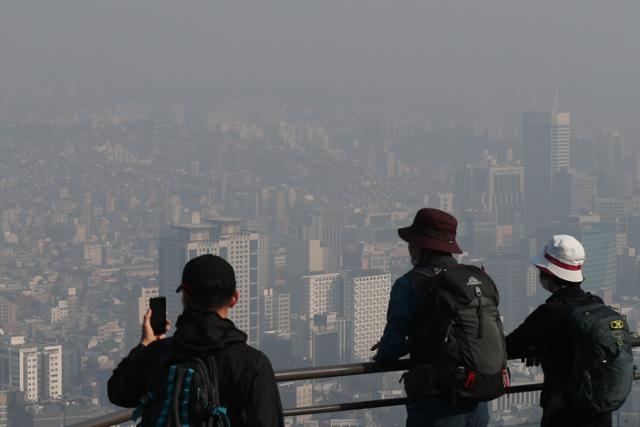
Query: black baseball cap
<point x="208" y="277"/>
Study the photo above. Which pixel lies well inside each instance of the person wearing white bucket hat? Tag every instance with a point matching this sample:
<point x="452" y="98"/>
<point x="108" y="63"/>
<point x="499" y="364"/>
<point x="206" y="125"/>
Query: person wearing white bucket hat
<point x="545" y="336"/>
<point x="563" y="256"/>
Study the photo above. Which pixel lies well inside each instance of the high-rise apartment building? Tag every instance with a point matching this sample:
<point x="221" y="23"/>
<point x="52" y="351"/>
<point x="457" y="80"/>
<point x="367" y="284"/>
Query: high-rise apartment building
<point x="228" y="238"/>
<point x="325" y="340"/>
<point x="277" y="311"/>
<point x="498" y="190"/>
<point x="366" y="297"/>
<point x="4" y="408"/>
<point x="59" y="312"/>
<point x="319" y="227"/>
<point x="316" y="294"/>
<point x="51" y="356"/>
<point x="574" y="192"/>
<point x="8" y="312"/>
<point x="33" y="368"/>
<point x="320" y="293"/>
<point x="546" y="139"/>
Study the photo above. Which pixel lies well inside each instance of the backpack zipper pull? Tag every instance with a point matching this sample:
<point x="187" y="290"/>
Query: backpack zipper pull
<point x="480" y="317"/>
<point x="446" y="336"/>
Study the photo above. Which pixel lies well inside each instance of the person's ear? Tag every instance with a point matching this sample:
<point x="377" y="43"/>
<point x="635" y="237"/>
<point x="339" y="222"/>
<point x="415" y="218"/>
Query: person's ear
<point x="185" y="299"/>
<point x="234" y="299"/>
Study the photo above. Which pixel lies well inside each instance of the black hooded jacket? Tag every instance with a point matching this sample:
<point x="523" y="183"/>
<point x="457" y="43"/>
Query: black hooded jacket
<point x="245" y="377"/>
<point x="545" y="336"/>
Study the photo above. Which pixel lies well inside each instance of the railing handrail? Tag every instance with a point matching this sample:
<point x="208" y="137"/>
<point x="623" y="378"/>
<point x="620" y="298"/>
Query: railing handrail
<point x="124" y="415"/>
<point x="299" y="374"/>
<point x="341" y="370"/>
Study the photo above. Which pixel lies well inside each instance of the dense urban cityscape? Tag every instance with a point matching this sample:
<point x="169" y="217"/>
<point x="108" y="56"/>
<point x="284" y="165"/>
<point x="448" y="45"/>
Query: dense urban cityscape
<point x="294" y="139"/>
<point x="100" y="211"/>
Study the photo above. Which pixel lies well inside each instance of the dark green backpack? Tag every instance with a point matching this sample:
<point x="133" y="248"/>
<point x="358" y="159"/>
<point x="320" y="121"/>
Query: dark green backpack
<point x="603" y="369"/>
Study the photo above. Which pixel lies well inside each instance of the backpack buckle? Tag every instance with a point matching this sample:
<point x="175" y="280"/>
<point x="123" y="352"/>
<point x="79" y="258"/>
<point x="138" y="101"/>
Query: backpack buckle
<point x="506" y="378"/>
<point x="471" y="380"/>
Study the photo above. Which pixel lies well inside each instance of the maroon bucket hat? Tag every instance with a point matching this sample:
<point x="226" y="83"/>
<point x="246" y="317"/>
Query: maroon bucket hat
<point x="432" y="229"/>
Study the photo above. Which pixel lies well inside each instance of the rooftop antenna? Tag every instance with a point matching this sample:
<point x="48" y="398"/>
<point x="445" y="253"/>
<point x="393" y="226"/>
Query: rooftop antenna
<point x="556" y="101"/>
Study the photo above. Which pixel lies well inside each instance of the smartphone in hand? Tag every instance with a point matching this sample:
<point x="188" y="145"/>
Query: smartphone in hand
<point x="158" y="308"/>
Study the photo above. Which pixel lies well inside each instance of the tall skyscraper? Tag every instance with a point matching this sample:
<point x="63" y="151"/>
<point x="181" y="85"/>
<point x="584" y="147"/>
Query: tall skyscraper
<point x="244" y="249"/>
<point x="318" y="226"/>
<point x="506" y="194"/>
<point x="325" y="340"/>
<point x="33" y="368"/>
<point x="366" y="300"/>
<point x="492" y="189"/>
<point x="574" y="192"/>
<point x="317" y="294"/>
<point x="546" y="139"/>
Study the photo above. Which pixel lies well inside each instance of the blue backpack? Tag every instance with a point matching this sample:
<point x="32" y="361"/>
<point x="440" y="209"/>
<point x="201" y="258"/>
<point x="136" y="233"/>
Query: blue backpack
<point x="185" y="394"/>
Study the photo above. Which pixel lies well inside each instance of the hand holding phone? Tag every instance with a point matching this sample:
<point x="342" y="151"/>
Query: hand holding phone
<point x="158" y="308"/>
<point x="155" y="324"/>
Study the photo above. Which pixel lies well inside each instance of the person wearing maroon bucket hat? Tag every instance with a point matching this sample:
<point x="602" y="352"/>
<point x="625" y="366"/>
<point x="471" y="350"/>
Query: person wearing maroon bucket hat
<point x="432" y="229"/>
<point x="413" y="322"/>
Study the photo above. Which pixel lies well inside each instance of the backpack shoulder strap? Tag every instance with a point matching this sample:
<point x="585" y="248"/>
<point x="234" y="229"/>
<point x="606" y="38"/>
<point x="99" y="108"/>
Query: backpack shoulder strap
<point x="419" y="275"/>
<point x="214" y="405"/>
<point x="575" y="303"/>
<point x="212" y="368"/>
<point x="594" y="298"/>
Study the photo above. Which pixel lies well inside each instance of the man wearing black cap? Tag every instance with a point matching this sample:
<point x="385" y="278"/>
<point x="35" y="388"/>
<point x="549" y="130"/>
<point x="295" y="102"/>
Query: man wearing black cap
<point x="246" y="381"/>
<point x="410" y="327"/>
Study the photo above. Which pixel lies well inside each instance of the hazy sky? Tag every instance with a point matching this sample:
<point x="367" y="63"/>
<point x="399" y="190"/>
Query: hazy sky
<point x="481" y="57"/>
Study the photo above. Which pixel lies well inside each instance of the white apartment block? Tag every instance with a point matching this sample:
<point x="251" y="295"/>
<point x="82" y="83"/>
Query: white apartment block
<point x="321" y="293"/>
<point x="59" y="313"/>
<point x="277" y="311"/>
<point x="51" y="357"/>
<point x="366" y="300"/>
<point x="33" y="368"/>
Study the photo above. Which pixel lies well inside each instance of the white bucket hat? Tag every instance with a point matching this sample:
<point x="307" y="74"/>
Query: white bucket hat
<point x="563" y="256"/>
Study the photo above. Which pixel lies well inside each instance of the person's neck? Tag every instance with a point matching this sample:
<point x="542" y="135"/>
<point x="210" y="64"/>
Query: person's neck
<point x="223" y="313"/>
<point x="429" y="259"/>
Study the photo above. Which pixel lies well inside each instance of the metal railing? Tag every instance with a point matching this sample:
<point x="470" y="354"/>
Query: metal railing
<point x="124" y="415"/>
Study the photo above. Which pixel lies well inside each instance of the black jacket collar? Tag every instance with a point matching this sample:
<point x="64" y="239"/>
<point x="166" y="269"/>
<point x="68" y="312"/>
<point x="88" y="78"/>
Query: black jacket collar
<point x="567" y="292"/>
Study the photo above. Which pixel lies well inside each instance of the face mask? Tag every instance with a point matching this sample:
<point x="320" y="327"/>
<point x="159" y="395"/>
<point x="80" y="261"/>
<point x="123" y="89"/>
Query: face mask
<point x="546" y="283"/>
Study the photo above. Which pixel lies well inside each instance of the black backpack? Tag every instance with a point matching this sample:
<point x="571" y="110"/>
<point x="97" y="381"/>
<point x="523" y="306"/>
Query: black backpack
<point x="470" y="358"/>
<point x="603" y="369"/>
<point x="184" y="394"/>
